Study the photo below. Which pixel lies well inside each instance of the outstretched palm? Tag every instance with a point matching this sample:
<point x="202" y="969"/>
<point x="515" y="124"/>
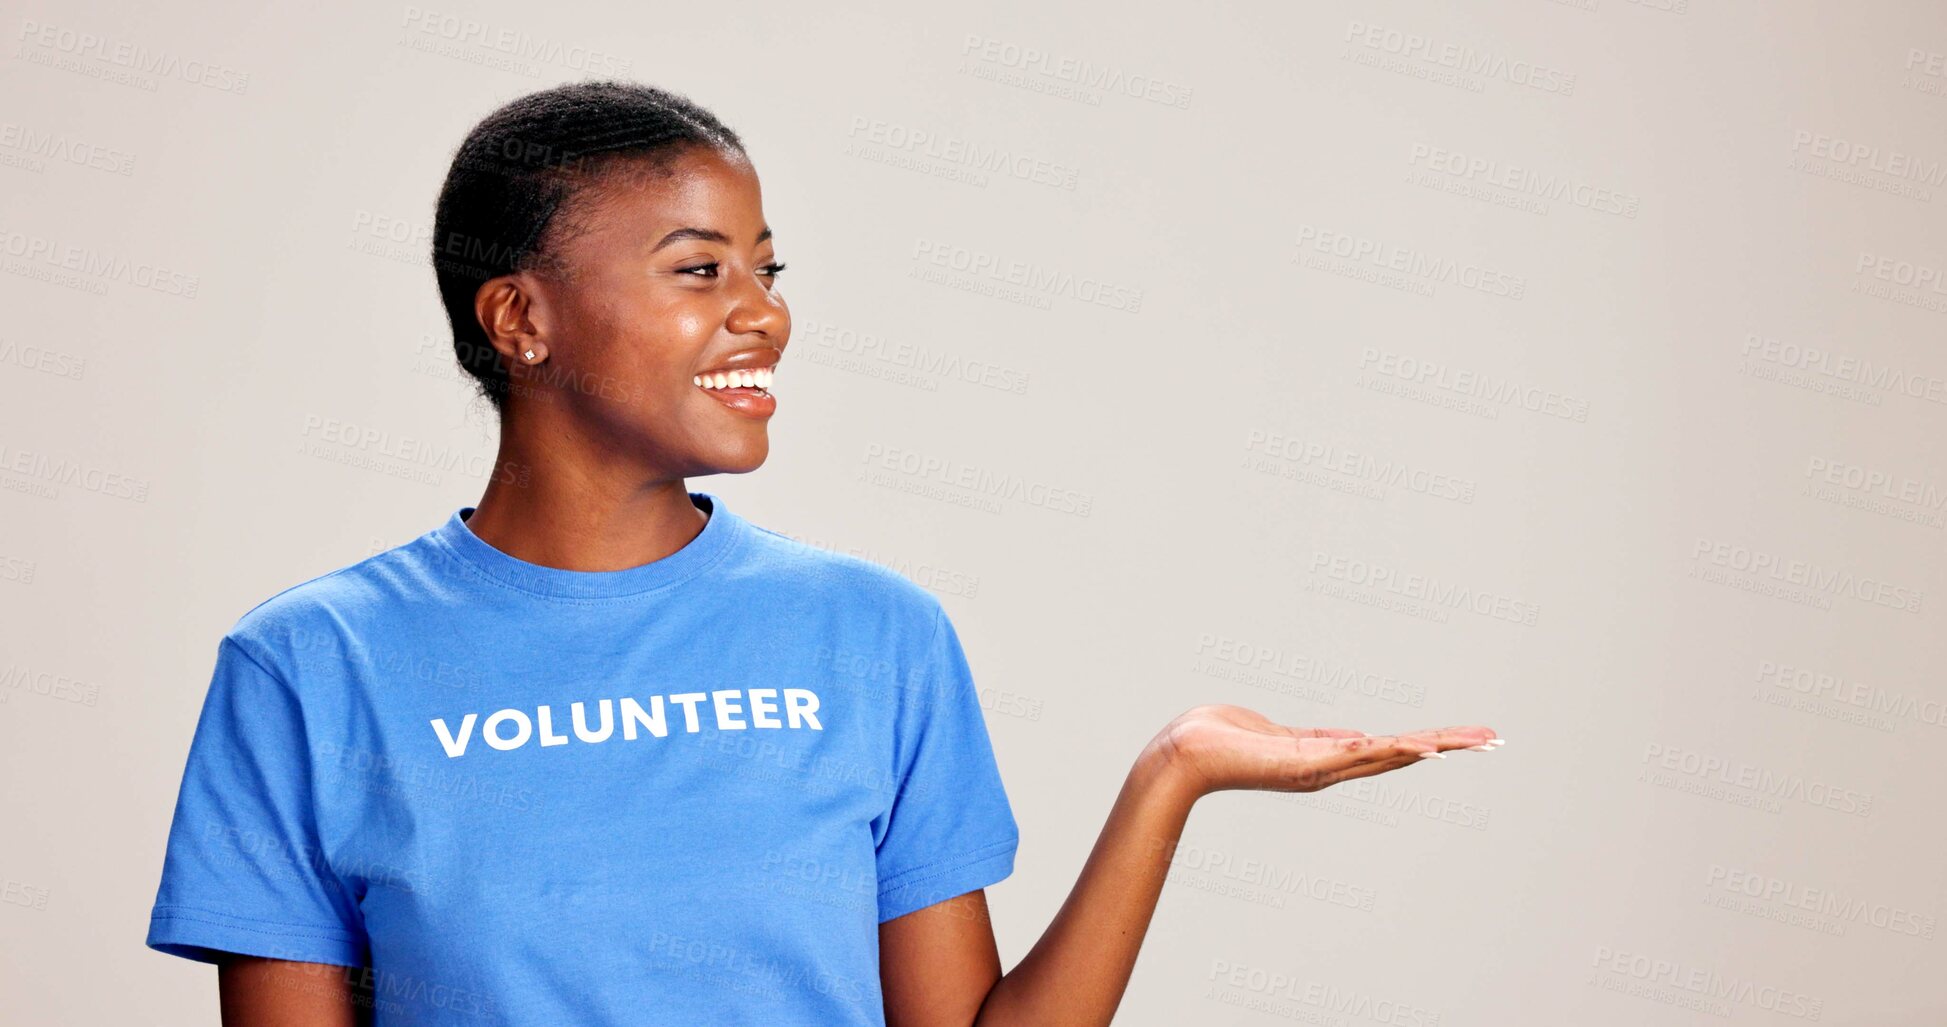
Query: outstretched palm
<point x="1222" y="747"/>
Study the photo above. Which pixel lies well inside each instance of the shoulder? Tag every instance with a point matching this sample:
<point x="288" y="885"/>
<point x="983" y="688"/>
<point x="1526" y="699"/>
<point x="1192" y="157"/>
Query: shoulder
<point x="321" y="612"/>
<point x="832" y="577"/>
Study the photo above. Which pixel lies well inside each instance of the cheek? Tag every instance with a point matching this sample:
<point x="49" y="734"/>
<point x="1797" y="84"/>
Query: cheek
<point x="689" y="330"/>
<point x="674" y="335"/>
<point x="657" y="344"/>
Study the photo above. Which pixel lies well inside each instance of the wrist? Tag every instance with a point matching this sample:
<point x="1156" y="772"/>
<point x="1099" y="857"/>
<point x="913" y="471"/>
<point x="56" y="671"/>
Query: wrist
<point x="1161" y="772"/>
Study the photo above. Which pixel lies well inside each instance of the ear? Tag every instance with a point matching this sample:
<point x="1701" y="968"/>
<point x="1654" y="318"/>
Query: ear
<point x="513" y="314"/>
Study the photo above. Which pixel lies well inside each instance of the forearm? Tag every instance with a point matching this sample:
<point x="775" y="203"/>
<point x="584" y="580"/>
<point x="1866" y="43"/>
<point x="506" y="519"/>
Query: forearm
<point x="1076" y="973"/>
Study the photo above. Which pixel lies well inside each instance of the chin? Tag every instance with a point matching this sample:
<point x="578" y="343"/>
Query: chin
<point x="739" y="461"/>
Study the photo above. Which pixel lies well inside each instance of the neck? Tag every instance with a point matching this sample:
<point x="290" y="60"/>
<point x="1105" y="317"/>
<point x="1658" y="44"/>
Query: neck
<point x="577" y="507"/>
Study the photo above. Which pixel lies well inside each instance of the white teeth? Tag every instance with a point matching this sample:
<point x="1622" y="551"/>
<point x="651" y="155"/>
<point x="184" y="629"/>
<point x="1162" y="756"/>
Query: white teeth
<point x="759" y="378"/>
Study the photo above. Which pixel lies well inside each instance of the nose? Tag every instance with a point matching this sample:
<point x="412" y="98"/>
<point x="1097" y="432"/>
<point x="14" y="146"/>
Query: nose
<point x="758" y="309"/>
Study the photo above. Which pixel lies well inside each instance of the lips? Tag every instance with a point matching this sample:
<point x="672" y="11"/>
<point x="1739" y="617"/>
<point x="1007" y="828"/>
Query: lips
<point x="745" y="360"/>
<point x="741" y="381"/>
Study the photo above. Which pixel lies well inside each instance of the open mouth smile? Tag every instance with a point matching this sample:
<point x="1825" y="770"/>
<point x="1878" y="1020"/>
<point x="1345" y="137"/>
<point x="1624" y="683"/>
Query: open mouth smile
<point x="755" y="379"/>
<point x="745" y="390"/>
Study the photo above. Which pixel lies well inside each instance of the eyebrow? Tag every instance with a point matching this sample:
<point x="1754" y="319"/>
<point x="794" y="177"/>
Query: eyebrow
<point x="705" y="234"/>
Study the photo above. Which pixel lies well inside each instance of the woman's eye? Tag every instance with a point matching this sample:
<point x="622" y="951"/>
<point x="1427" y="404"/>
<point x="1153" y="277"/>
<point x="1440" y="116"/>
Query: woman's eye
<point x="771" y="269"/>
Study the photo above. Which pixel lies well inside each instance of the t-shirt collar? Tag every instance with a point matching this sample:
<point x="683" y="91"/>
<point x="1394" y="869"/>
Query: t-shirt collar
<point x="720" y="533"/>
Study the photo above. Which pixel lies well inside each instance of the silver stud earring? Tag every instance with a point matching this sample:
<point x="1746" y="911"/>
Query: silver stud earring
<point x="530" y="354"/>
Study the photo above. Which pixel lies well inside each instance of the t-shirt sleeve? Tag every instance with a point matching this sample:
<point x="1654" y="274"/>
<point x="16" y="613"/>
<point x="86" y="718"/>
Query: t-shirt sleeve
<point x="243" y="871"/>
<point x="950" y="829"/>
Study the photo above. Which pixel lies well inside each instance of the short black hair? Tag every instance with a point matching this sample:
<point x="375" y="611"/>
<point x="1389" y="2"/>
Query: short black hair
<point x="500" y="209"/>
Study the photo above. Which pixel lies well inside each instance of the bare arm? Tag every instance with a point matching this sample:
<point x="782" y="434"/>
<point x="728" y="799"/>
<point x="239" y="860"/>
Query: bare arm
<point x="1077" y="972"/>
<point x="258" y="992"/>
<point x="937" y="966"/>
<point x="940" y="967"/>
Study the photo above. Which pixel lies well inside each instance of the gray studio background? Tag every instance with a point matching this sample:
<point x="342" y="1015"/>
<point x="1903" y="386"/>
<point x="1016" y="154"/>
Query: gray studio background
<point x="1573" y="368"/>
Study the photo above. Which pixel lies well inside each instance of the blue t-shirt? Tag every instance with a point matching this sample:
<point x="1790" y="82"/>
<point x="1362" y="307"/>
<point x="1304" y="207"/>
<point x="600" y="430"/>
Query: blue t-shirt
<point x="685" y="792"/>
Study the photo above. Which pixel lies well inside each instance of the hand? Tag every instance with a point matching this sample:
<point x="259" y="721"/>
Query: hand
<point x="1219" y="747"/>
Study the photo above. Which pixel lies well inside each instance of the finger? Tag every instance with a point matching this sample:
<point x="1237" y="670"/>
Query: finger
<point x="1408" y="757"/>
<point x="1308" y="768"/>
<point x="1442" y="739"/>
<point x="1366" y="755"/>
<point x="1357" y="752"/>
<point x="1327" y="732"/>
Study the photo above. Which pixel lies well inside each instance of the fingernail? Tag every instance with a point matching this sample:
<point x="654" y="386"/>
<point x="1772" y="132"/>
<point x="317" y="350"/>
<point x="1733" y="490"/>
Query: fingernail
<point x="1495" y="742"/>
<point x="1482" y="748"/>
<point x="1434" y="755"/>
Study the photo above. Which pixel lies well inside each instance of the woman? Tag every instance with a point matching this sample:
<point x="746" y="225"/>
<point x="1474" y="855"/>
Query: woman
<point x="599" y="750"/>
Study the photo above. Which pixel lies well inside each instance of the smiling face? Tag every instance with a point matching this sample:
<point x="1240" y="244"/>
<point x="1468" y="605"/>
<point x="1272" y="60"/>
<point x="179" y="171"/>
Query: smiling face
<point x="660" y="279"/>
